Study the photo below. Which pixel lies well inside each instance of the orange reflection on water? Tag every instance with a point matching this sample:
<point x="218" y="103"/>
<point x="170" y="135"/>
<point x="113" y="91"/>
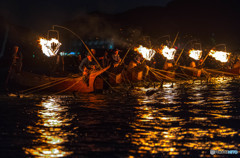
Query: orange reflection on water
<point x="166" y="129"/>
<point x="48" y="131"/>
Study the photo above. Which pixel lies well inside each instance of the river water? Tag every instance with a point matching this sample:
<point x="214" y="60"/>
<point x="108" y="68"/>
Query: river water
<point x="186" y="119"/>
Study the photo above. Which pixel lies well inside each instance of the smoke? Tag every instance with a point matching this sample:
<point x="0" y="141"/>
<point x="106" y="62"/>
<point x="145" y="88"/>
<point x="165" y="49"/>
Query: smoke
<point x="104" y="26"/>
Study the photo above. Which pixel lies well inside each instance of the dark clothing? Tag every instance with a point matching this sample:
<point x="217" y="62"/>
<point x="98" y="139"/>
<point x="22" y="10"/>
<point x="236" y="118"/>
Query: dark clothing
<point x="17" y="61"/>
<point x="138" y="59"/>
<point x="106" y="60"/>
<point x="86" y="63"/>
<point x="115" y="58"/>
<point x="57" y="65"/>
<point x="152" y="63"/>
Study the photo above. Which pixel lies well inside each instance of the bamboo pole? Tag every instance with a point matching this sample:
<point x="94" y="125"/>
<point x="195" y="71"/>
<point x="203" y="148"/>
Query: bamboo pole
<point x="179" y="57"/>
<point x="175" y="39"/>
<point x="172" y="79"/>
<point x="222" y="72"/>
<point x="81" y="41"/>
<point x="181" y="75"/>
<point x="125" y="55"/>
<point x="205" y="58"/>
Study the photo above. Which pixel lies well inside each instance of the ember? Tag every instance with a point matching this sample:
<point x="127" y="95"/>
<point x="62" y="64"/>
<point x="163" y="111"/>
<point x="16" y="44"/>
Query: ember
<point x="168" y="53"/>
<point x="195" y="54"/>
<point x="220" y="55"/>
<point x="50" y="47"/>
<point x="147" y="53"/>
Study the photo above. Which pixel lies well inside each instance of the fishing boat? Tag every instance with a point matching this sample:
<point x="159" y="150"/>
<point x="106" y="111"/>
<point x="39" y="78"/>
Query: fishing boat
<point x="191" y="71"/>
<point x="73" y="83"/>
<point x="170" y="70"/>
<point x="134" y="72"/>
<point x="115" y="75"/>
<point x="235" y="71"/>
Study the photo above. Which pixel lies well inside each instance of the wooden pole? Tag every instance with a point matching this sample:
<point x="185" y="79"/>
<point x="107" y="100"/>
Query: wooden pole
<point x="125" y="55"/>
<point x="179" y="57"/>
<point x="81" y="41"/>
<point x="175" y="39"/>
<point x="205" y="58"/>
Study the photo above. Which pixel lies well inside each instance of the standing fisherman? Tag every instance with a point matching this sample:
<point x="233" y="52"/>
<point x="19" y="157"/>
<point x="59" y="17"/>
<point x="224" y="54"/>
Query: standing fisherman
<point x="105" y="59"/>
<point x="16" y="65"/>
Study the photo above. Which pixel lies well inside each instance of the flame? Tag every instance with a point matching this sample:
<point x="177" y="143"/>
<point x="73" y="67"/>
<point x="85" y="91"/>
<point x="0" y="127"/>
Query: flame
<point x="168" y="53"/>
<point x="147" y="53"/>
<point x="220" y="55"/>
<point x="50" y="47"/>
<point x="195" y="54"/>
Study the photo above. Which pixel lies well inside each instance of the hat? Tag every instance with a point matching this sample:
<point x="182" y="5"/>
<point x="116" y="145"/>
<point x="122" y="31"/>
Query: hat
<point x="117" y="50"/>
<point x="92" y="49"/>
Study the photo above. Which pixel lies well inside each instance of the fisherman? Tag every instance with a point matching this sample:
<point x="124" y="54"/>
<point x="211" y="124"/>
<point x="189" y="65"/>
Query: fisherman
<point x="59" y="61"/>
<point x="140" y="63"/>
<point x="237" y="63"/>
<point x="16" y="65"/>
<point x="93" y="51"/>
<point x="152" y="63"/>
<point x="17" y="59"/>
<point x="86" y="66"/>
<point x="105" y="59"/>
<point x="138" y="59"/>
<point x="116" y="58"/>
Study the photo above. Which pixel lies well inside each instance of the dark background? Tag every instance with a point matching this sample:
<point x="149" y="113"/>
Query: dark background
<point x="126" y="23"/>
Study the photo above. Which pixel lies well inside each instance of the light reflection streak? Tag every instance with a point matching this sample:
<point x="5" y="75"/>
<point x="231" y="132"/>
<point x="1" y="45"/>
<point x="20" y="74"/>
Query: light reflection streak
<point x="49" y="130"/>
<point x="163" y="129"/>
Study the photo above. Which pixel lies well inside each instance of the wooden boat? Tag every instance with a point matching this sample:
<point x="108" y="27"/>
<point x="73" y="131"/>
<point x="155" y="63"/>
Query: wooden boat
<point x="235" y="71"/>
<point x="169" y="67"/>
<point x="115" y="78"/>
<point x="134" y="72"/>
<point x="74" y="83"/>
<point x="115" y="75"/>
<point x="192" y="70"/>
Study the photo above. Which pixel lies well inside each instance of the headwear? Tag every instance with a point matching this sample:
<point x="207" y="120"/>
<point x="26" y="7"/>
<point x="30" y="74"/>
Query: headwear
<point x="93" y="50"/>
<point x="117" y="50"/>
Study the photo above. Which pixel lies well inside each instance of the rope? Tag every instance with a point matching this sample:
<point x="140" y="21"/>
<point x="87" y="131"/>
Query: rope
<point x="164" y="76"/>
<point x="48" y="86"/>
<point x="68" y="87"/>
<point x="157" y="76"/>
<point x="40" y="85"/>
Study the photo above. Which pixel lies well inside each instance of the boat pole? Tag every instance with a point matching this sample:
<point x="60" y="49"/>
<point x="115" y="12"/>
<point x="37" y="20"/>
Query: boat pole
<point x="175" y="39"/>
<point x="125" y="55"/>
<point x="179" y="57"/>
<point x="81" y="41"/>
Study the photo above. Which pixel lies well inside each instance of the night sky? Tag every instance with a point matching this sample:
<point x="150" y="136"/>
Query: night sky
<point x="32" y="12"/>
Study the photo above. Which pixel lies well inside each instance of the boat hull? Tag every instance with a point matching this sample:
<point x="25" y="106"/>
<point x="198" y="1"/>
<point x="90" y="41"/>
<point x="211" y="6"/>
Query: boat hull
<point x="76" y="83"/>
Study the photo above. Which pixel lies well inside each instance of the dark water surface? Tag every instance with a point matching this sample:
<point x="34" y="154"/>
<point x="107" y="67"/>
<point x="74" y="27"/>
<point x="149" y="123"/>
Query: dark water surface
<point x="185" y="120"/>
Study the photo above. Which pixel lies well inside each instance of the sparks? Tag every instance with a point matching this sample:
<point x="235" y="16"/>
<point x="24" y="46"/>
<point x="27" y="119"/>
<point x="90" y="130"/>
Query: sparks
<point x="195" y="54"/>
<point x="50" y="47"/>
<point x="220" y="55"/>
<point x="147" y="53"/>
<point x="168" y="53"/>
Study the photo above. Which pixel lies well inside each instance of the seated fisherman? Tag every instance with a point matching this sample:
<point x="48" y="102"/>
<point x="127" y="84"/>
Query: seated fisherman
<point x="138" y="59"/>
<point x="116" y="58"/>
<point x="86" y="65"/>
<point x="140" y="63"/>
